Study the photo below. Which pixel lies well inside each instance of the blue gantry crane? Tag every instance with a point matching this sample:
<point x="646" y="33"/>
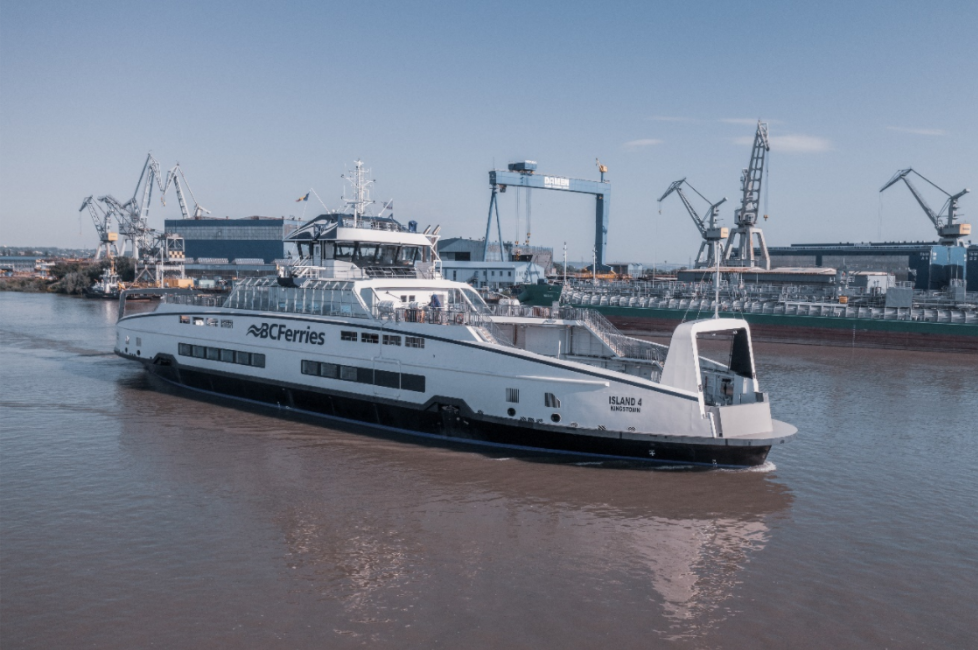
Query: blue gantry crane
<point x="524" y="174"/>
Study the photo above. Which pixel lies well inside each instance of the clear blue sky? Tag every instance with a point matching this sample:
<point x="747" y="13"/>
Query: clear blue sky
<point x="259" y="101"/>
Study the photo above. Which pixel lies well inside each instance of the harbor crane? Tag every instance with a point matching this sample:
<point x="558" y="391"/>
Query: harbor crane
<point x="707" y="225"/>
<point x="523" y="175"/>
<point x="740" y="245"/>
<point x="102" y="219"/>
<point x="173" y="176"/>
<point x="950" y="233"/>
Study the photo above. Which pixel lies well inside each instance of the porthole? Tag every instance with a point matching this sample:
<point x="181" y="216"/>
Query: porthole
<point x="555" y="417"/>
<point x="511" y="412"/>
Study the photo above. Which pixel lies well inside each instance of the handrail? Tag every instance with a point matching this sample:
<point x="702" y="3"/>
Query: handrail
<point x="623" y="346"/>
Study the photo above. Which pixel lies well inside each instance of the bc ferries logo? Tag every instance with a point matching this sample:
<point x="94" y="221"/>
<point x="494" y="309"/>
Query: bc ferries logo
<point x="279" y="332"/>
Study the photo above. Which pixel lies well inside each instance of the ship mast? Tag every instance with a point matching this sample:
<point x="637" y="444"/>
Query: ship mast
<point x="361" y="192"/>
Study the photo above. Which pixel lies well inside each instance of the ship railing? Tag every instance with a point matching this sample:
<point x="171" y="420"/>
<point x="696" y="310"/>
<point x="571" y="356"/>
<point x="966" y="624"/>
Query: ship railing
<point x="623" y="346"/>
<point x="453" y="315"/>
<point x="323" y="298"/>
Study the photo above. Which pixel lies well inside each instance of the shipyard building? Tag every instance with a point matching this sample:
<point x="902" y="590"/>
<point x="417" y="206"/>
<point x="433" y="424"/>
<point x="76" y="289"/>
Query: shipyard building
<point x="929" y="266"/>
<point x="232" y="247"/>
<point x="463" y="260"/>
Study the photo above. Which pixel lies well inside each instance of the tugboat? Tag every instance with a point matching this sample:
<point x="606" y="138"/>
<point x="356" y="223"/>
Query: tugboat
<point x="363" y="329"/>
<point x="108" y="286"/>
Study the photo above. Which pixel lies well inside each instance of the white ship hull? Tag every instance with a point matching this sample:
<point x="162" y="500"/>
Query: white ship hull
<point x="455" y="386"/>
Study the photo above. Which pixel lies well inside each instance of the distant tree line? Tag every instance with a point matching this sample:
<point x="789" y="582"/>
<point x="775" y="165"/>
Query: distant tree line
<point x="71" y="277"/>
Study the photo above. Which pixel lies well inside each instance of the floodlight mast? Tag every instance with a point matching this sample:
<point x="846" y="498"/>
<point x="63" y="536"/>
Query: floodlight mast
<point x="949" y="232"/>
<point x="707" y="227"/>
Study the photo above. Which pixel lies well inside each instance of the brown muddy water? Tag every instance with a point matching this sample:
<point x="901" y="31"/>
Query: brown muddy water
<point x="133" y="515"/>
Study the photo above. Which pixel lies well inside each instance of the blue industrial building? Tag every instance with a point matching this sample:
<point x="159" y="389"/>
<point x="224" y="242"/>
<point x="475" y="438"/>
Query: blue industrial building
<point x="930" y="266"/>
<point x="251" y="238"/>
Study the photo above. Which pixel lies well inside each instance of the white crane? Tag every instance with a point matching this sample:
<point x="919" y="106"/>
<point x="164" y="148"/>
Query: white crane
<point x="707" y="226"/>
<point x="173" y="176"/>
<point x="950" y="233"/>
<point x="741" y="241"/>
<point x="102" y="219"/>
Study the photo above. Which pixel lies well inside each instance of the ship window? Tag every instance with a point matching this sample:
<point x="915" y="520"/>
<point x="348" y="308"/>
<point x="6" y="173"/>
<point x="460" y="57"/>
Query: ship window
<point x="243" y="358"/>
<point x="369" y="338"/>
<point x="513" y="395"/>
<point x="199" y="321"/>
<point x="139" y="342"/>
<point x="214" y="354"/>
<point x="329" y="370"/>
<point x="390" y="339"/>
<point x="227" y="356"/>
<point x="348" y="336"/>
<point x="310" y="367"/>
<point x="258" y="360"/>
<point x="387" y="255"/>
<point x="413" y="342"/>
<point x="199" y="351"/>
<point x="550" y="401"/>
<point x="348" y="373"/>
<point x="184" y="350"/>
<point x="387" y="379"/>
<point x="412" y="382"/>
<point x="185" y="319"/>
<point x="410" y="254"/>
<point x="344" y="252"/>
<point x="212" y="322"/>
<point x="365" y="375"/>
<point x="227" y="323"/>
<point x="366" y="253"/>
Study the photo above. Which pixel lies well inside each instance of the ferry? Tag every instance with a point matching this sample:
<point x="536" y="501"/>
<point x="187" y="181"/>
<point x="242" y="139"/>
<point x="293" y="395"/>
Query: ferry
<point x="362" y="329"/>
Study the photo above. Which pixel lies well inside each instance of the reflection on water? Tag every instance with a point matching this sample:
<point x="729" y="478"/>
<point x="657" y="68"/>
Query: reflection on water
<point x="378" y="527"/>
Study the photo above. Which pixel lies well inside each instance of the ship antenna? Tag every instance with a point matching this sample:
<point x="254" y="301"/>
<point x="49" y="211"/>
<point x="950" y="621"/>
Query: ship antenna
<point x="716" y="282"/>
<point x="361" y="192"/>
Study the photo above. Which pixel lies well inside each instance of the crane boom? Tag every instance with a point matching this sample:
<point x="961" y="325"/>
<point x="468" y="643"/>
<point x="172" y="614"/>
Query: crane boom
<point x="949" y="232"/>
<point x="174" y="176"/>
<point x="103" y="223"/>
<point x="740" y="245"/>
<point x="707" y="227"/>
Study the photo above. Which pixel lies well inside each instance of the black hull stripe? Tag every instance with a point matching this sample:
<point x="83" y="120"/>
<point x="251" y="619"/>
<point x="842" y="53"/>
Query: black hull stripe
<point x="481" y="433"/>
<point x="433" y="338"/>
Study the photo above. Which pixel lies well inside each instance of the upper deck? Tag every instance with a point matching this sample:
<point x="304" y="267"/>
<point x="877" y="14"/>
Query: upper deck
<point x="351" y="247"/>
